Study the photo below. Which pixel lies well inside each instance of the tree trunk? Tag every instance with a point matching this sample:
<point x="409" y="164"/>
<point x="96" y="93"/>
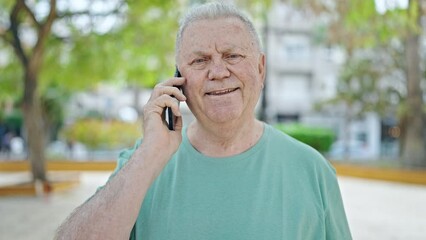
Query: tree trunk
<point x="136" y="100"/>
<point x="414" y="153"/>
<point x="33" y="122"/>
<point x="31" y="62"/>
<point x="264" y="97"/>
<point x="347" y="133"/>
<point x="402" y="137"/>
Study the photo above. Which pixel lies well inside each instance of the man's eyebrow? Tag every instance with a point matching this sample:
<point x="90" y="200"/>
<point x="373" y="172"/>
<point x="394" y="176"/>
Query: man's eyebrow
<point x="226" y="49"/>
<point x="199" y="53"/>
<point x="231" y="48"/>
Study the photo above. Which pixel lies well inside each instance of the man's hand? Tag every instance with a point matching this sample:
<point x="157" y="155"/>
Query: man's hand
<point x="119" y="202"/>
<point x="156" y="133"/>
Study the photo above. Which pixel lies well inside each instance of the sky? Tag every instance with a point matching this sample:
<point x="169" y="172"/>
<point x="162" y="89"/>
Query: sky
<point x="383" y="5"/>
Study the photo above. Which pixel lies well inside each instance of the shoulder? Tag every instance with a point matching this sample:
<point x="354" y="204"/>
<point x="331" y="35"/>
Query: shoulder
<point x="284" y="142"/>
<point x="125" y="155"/>
<point x="294" y="151"/>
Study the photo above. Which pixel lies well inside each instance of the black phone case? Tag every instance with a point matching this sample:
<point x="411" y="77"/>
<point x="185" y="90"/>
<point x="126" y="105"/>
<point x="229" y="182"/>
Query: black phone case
<point x="170" y="116"/>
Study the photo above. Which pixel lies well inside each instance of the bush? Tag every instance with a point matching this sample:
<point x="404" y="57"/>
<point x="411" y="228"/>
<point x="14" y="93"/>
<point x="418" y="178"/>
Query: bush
<point x="98" y="134"/>
<point x="319" y="138"/>
<point x="14" y="121"/>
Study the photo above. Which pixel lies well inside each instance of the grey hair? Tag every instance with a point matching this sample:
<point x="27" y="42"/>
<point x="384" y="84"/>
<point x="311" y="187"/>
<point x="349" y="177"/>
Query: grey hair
<point x="211" y="11"/>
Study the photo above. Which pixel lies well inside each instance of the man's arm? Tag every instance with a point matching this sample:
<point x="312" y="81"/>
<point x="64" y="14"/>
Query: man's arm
<point x="112" y="212"/>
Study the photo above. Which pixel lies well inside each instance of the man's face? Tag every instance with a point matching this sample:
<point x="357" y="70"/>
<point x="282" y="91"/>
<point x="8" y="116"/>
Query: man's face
<point x="224" y="70"/>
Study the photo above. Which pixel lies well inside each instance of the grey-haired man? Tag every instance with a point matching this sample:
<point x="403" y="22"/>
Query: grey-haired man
<point x="226" y="175"/>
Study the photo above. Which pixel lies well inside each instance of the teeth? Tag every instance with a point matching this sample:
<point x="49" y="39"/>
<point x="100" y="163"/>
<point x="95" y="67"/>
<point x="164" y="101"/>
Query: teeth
<point x="221" y="92"/>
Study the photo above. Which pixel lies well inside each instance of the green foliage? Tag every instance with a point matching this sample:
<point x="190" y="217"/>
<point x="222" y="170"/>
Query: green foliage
<point x="98" y="134"/>
<point x="360" y="84"/>
<point x="365" y="11"/>
<point x="257" y="9"/>
<point x="10" y="75"/>
<point x="139" y="50"/>
<point x="52" y="104"/>
<point x="319" y="138"/>
<point x="373" y="76"/>
<point x="88" y="61"/>
<point x="13" y="121"/>
<point x="357" y="24"/>
<point x="148" y="40"/>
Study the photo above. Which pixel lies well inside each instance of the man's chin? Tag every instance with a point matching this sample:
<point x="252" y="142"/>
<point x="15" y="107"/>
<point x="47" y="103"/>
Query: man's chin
<point x="224" y="116"/>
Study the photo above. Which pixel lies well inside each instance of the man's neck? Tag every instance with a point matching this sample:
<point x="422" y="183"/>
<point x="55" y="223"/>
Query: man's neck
<point x="224" y="140"/>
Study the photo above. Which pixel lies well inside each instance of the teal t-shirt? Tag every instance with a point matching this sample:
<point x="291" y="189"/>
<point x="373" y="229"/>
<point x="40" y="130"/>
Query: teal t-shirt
<point x="278" y="189"/>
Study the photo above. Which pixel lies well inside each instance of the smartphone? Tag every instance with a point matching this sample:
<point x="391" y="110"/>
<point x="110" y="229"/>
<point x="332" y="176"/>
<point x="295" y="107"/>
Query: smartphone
<point x="170" y="118"/>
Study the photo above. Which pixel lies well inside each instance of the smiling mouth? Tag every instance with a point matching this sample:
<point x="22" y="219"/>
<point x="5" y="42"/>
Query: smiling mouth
<point x="222" y="92"/>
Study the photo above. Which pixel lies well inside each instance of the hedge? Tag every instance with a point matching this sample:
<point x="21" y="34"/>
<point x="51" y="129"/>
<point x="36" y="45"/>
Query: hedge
<point x="99" y="134"/>
<point x="319" y="138"/>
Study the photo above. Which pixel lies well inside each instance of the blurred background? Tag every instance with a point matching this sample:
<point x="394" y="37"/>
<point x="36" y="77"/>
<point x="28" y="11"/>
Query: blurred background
<point x="344" y="76"/>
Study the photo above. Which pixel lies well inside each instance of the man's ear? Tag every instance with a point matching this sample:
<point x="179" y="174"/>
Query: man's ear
<point x="262" y="67"/>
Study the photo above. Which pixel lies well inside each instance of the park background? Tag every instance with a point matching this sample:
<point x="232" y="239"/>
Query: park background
<point x="346" y="77"/>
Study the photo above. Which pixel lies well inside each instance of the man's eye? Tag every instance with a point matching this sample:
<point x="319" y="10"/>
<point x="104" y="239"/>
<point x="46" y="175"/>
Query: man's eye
<point x="234" y="58"/>
<point x="199" y="61"/>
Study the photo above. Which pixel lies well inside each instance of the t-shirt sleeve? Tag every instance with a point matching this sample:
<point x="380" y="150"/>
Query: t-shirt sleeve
<point x="336" y="224"/>
<point x="123" y="157"/>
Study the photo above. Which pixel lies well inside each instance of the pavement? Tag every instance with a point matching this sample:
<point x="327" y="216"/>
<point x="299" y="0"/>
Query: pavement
<point x="375" y="209"/>
<point x="37" y="218"/>
<point x="384" y="210"/>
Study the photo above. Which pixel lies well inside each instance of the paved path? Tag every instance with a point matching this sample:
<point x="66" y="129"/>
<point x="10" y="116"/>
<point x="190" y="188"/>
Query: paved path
<point x="375" y="209"/>
<point x="37" y="218"/>
<point x="379" y="210"/>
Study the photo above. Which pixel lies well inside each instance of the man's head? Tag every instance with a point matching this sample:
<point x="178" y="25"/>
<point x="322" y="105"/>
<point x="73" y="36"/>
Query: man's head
<point x="215" y="10"/>
<point x="219" y="55"/>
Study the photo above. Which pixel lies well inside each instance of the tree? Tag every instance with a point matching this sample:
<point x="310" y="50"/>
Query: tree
<point x="358" y="28"/>
<point x="75" y="48"/>
<point x="414" y="149"/>
<point x="357" y="92"/>
<point x="31" y="59"/>
<point x="79" y="52"/>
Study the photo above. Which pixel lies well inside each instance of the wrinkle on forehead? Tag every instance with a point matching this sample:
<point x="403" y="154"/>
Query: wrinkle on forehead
<point x="229" y="48"/>
<point x="227" y="27"/>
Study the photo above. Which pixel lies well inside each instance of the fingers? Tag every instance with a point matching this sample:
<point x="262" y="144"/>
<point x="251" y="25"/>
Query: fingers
<point x="175" y="81"/>
<point x="169" y="87"/>
<point x="169" y="91"/>
<point x="160" y="103"/>
<point x="170" y="102"/>
<point x="165" y="94"/>
<point x="178" y="123"/>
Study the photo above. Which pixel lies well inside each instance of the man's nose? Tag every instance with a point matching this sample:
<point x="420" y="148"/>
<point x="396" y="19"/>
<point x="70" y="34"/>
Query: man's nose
<point x="218" y="70"/>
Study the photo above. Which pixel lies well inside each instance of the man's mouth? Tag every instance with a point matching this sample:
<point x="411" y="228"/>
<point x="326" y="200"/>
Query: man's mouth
<point x="221" y="92"/>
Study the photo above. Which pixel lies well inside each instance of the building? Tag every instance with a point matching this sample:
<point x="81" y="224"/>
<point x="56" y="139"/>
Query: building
<point x="303" y="72"/>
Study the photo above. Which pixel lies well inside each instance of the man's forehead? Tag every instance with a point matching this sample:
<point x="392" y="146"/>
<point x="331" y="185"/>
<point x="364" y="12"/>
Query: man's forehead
<point x="222" y="34"/>
<point x="229" y="32"/>
<point x="228" y="23"/>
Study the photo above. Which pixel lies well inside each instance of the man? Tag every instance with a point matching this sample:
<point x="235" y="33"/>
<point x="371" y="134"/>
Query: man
<point x="225" y="176"/>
